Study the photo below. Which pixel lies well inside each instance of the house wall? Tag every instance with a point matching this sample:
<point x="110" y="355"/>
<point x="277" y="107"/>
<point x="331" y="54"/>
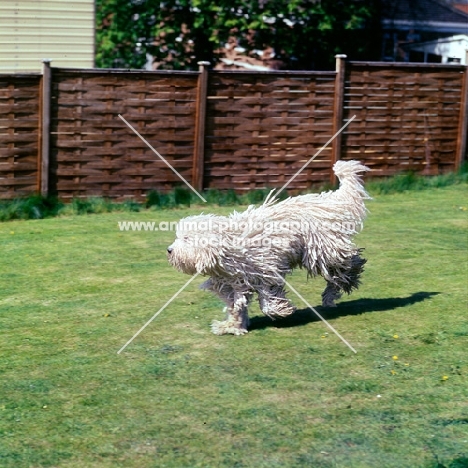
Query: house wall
<point x="446" y="49"/>
<point x="60" y="30"/>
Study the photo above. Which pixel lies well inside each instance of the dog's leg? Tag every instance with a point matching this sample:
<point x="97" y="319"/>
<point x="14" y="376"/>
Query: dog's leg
<point x="353" y="275"/>
<point x="237" y="318"/>
<point x="344" y="281"/>
<point x="273" y="302"/>
<point x="331" y="294"/>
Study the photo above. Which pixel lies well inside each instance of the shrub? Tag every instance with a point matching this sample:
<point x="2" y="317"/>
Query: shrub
<point x="221" y="197"/>
<point x="32" y="207"/>
<point x="182" y="196"/>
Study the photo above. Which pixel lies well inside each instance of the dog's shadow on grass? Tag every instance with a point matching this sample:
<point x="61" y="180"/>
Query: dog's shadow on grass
<point x="356" y="307"/>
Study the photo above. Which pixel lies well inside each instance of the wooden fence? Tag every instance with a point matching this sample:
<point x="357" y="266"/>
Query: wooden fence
<point x="60" y="132"/>
<point x="19" y="134"/>
<point x="409" y="117"/>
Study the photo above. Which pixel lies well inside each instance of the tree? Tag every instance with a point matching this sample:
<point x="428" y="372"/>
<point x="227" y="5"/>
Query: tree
<point x="304" y="34"/>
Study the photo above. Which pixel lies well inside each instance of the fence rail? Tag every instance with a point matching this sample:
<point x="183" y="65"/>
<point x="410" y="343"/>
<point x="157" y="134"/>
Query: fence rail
<point x="60" y="132"/>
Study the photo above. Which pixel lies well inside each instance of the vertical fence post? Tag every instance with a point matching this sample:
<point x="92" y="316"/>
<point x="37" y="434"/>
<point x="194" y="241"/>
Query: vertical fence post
<point x="463" y="122"/>
<point x="200" y="119"/>
<point x="44" y="149"/>
<point x="338" y="111"/>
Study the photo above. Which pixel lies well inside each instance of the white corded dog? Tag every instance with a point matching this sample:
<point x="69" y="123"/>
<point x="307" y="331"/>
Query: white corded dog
<point x="251" y="252"/>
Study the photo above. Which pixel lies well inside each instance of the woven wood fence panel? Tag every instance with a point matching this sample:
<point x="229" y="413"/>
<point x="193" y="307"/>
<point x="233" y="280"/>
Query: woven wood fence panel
<point x="407" y="117"/>
<point x="19" y="134"/>
<point x="248" y="130"/>
<point x="93" y="152"/>
<point x="262" y="128"/>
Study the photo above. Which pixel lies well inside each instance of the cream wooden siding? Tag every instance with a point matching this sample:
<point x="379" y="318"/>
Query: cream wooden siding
<point x="60" y="30"/>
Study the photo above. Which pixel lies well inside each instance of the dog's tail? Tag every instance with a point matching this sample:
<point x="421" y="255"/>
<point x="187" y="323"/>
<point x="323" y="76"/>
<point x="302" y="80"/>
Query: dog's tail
<point x="349" y="175"/>
<point x="351" y="194"/>
<point x="349" y="170"/>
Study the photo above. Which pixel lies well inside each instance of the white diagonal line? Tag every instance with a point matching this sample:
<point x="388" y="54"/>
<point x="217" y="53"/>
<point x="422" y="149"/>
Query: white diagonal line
<point x="315" y="155"/>
<point x="160" y="157"/>
<point x="157" y="313"/>
<point x="317" y="314"/>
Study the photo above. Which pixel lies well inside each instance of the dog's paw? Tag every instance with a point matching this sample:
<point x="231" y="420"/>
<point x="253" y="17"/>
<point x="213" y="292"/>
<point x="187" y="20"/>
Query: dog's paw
<point x="226" y="328"/>
<point x="216" y="327"/>
<point x="328" y="303"/>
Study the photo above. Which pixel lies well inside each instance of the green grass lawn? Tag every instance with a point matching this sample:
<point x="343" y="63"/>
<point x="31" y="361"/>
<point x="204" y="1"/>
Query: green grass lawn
<point x="75" y="289"/>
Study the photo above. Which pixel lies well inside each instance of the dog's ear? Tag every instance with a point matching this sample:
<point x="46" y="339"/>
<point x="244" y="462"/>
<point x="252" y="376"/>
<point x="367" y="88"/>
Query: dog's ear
<point x="207" y="251"/>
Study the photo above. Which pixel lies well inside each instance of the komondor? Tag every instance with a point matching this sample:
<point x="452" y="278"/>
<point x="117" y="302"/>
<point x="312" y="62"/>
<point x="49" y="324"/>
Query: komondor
<point x="251" y="252"/>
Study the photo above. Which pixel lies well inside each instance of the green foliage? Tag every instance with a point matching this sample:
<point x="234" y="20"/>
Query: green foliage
<point x="179" y="33"/>
<point x="221" y="197"/>
<point x="33" y="207"/>
<point x="411" y="181"/>
<point x="97" y="205"/>
<point x="256" y="197"/>
<point x="91" y="205"/>
<point x="155" y="199"/>
<point x="131" y="205"/>
<point x="182" y="196"/>
<point x="228" y="197"/>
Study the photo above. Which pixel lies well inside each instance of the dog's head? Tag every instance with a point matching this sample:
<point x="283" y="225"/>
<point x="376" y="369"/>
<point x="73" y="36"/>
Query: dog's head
<point x="197" y="246"/>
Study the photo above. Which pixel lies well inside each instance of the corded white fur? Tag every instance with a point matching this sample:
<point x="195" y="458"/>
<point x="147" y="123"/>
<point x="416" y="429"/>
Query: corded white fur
<point x="250" y="252"/>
